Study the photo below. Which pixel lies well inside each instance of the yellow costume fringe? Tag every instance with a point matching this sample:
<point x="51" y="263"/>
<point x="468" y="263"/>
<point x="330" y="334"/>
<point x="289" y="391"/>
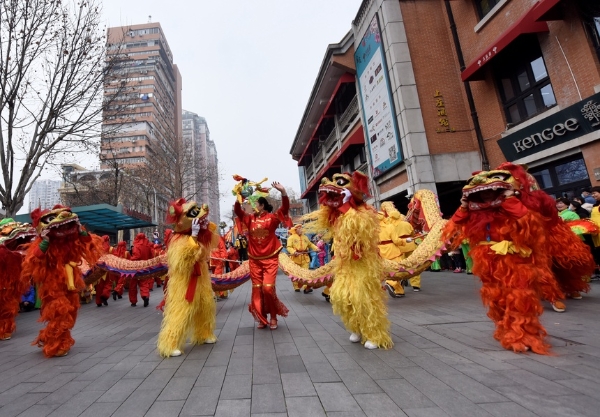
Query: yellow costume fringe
<point x="356" y="294"/>
<point x="182" y="319"/>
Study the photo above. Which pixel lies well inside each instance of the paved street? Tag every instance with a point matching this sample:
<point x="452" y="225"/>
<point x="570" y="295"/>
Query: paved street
<point x="444" y="363"/>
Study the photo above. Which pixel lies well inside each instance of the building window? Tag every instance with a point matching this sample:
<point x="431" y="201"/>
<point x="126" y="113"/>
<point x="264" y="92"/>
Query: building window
<point x="485" y="6"/>
<point x="564" y="178"/>
<point x="523" y="81"/>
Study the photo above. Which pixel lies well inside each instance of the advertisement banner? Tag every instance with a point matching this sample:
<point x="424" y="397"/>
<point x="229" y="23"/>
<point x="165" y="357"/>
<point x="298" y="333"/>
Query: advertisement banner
<point x="379" y="117"/>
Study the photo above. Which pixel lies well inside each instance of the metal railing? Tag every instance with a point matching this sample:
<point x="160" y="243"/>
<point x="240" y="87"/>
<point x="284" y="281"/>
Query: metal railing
<point x="349" y="116"/>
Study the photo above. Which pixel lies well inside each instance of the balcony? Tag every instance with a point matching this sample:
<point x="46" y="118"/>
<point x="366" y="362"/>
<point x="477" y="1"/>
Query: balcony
<point x="310" y="173"/>
<point x="349" y="116"/>
<point x="331" y="145"/>
<point x="318" y="160"/>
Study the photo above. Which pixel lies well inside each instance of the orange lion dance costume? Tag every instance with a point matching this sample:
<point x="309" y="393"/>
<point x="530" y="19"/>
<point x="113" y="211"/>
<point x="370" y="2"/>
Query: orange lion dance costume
<point x="51" y="261"/>
<point x="518" y="245"/>
<point x="12" y="287"/>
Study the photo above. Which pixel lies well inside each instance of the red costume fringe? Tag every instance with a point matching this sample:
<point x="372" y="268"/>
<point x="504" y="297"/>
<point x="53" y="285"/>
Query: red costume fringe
<point x="59" y="305"/>
<point x="513" y="285"/>
<point x="12" y="287"/>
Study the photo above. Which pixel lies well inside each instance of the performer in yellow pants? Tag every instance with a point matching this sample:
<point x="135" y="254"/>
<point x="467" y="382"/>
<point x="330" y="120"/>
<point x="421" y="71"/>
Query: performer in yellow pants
<point x="298" y="247"/>
<point x="396" y="243"/>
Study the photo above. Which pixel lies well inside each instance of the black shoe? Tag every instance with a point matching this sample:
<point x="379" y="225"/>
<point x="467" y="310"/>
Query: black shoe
<point x="104" y="300"/>
<point x="114" y="294"/>
<point x="297" y="290"/>
<point x="324" y="295"/>
<point x="416" y="289"/>
<point x="146" y="301"/>
<point x="327" y="299"/>
<point x="133" y="304"/>
<point x="390" y="290"/>
<point x="157" y="285"/>
<point x="120" y="296"/>
<point x="404" y="283"/>
<point x="98" y="305"/>
<point x="308" y="291"/>
<point x="151" y="289"/>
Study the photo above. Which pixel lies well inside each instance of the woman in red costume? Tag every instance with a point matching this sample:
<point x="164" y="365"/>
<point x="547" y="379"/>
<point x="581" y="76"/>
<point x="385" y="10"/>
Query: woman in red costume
<point x="263" y="251"/>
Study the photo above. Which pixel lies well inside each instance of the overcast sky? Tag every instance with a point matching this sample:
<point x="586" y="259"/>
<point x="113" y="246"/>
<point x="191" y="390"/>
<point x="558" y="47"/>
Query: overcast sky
<point x="248" y="67"/>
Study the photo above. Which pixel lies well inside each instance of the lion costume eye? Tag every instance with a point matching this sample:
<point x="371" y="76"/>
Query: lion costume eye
<point x="49" y="218"/>
<point x="500" y="177"/>
<point x="341" y="182"/>
<point x="193" y="212"/>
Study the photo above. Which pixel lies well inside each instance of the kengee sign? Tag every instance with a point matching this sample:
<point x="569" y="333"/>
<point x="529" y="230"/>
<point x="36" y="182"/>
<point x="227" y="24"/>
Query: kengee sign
<point x="563" y="126"/>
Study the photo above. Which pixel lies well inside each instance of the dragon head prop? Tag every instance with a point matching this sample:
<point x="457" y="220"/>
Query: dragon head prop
<point x="248" y="190"/>
<point x="485" y="189"/>
<point x="13" y="234"/>
<point x="181" y="213"/>
<point x="344" y="188"/>
<point x="60" y="221"/>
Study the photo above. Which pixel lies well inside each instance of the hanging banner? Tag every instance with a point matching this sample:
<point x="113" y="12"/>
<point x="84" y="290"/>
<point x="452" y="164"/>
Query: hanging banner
<point x="379" y="117"/>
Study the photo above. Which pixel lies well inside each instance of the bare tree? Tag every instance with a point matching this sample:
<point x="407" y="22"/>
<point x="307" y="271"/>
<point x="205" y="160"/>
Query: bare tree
<point x="175" y="172"/>
<point x="53" y="66"/>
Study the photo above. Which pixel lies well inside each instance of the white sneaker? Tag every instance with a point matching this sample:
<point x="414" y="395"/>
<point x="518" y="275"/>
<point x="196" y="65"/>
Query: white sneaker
<point x="355" y="337"/>
<point x="175" y="353"/>
<point x="370" y="345"/>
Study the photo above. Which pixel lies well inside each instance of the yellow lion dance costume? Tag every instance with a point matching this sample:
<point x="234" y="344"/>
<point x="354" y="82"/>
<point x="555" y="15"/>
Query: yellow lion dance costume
<point x="356" y="294"/>
<point x="190" y="309"/>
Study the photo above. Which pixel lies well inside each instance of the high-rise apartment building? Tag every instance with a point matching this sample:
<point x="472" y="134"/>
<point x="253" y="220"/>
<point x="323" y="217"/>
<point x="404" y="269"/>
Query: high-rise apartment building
<point x="44" y="194"/>
<point x="203" y="182"/>
<point x="147" y="111"/>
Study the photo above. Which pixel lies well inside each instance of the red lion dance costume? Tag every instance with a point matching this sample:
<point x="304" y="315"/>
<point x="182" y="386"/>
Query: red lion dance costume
<point x="12" y="287"/>
<point x="519" y="250"/>
<point x="51" y="261"/>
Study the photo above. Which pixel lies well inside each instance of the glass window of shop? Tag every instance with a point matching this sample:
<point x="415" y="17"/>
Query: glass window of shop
<point x="485" y="6"/>
<point x="523" y="81"/>
<point x="564" y="178"/>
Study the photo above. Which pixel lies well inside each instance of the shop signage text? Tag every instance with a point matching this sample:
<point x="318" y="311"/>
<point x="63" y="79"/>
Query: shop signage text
<point x="571" y="123"/>
<point x="559" y="129"/>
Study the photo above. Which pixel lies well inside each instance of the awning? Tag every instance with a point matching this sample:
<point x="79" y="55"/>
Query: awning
<point x="104" y="217"/>
<point x="530" y="22"/>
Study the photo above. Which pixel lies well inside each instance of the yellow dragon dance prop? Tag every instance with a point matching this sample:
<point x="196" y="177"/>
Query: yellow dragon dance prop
<point x="425" y="217"/>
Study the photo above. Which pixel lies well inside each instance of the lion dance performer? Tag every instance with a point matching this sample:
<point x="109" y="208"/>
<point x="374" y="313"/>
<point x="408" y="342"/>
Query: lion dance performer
<point x="189" y="304"/>
<point x="119" y="280"/>
<point x="263" y="250"/>
<point x="104" y="284"/>
<point x="518" y="247"/>
<point x="298" y="246"/>
<point x="142" y="251"/>
<point x="356" y="294"/>
<point x="51" y="260"/>
<point x="12" y="287"/>
<point x="396" y="243"/>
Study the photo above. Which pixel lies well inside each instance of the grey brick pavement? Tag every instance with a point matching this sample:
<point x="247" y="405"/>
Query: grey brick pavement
<point x="444" y="363"/>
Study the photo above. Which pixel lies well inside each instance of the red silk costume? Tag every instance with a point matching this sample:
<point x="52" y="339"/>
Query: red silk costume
<point x="263" y="250"/>
<point x="121" y="251"/>
<point x="142" y="250"/>
<point x="104" y="284"/>
<point x="216" y="257"/>
<point x="522" y="252"/>
<point x="52" y="264"/>
<point x="233" y="255"/>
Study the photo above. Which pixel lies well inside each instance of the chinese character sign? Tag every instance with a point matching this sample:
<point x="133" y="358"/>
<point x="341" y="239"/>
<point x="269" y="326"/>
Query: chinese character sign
<point x="375" y="94"/>
<point x="443" y="122"/>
